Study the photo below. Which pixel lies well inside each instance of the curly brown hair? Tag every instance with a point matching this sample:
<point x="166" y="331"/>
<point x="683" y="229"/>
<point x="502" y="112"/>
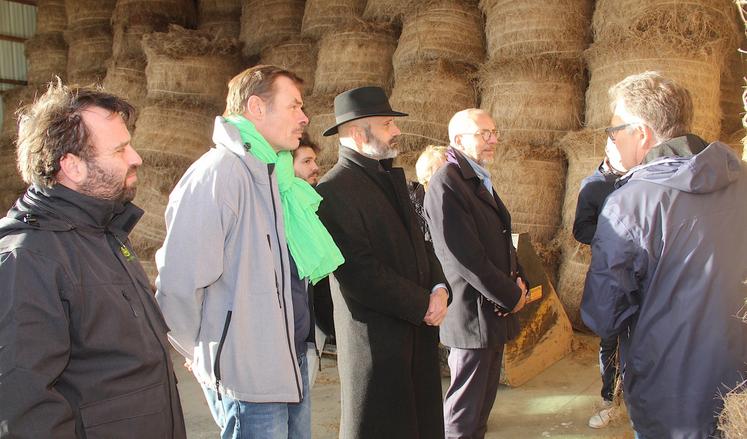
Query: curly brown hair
<point x="53" y="126"/>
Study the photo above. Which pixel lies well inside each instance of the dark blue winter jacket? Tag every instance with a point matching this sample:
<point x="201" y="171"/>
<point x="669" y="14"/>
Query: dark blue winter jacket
<point x="668" y="271"/>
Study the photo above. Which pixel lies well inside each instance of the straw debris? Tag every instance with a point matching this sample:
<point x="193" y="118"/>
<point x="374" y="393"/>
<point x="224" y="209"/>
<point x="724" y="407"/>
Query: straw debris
<point x="733" y="418"/>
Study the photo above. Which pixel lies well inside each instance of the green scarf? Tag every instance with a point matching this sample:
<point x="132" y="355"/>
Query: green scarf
<point x="313" y="249"/>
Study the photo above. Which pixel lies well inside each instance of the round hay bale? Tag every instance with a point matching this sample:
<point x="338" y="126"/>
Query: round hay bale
<point x="709" y="20"/>
<point x="175" y="130"/>
<point x="13" y="99"/>
<point x="387" y="10"/>
<point x="536" y="27"/>
<point x="533" y="99"/>
<point x="50" y="16"/>
<point x="441" y="29"/>
<point x="297" y="55"/>
<point x="321" y="113"/>
<point x="134" y="18"/>
<point x="156" y="13"/>
<point x="125" y="77"/>
<point x="85" y="13"/>
<point x="698" y="71"/>
<point x="11" y="184"/>
<point x="89" y="49"/>
<point x="188" y="63"/>
<point x="323" y="16"/>
<point x="574" y="264"/>
<point x="219" y="16"/>
<point x="732" y="87"/>
<point x="351" y="59"/>
<point x="47" y="57"/>
<point x="264" y="22"/>
<point x="431" y="92"/>
<point x="584" y="151"/>
<point x="530" y="181"/>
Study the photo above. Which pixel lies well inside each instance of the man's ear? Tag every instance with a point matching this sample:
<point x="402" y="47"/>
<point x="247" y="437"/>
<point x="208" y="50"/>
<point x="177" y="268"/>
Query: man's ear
<point x="255" y="107"/>
<point x="647" y="138"/>
<point x="72" y="169"/>
<point x="358" y="134"/>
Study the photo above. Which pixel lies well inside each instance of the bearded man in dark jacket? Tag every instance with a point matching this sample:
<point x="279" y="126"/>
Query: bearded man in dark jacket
<point x="668" y="262"/>
<point x="83" y="349"/>
<point x="390" y="294"/>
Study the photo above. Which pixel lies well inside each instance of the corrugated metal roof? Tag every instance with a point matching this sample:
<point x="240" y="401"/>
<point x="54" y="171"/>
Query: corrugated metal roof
<point x="19" y="21"/>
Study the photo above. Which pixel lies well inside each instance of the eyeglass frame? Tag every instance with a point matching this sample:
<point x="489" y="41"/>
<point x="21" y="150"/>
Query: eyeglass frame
<point x="482" y="132"/>
<point x="610" y="131"/>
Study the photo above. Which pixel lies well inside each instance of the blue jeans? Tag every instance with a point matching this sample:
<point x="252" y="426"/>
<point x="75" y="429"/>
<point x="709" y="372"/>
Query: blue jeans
<point x="272" y="420"/>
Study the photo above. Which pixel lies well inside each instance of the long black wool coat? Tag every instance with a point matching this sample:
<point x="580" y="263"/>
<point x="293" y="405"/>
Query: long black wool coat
<point x="387" y="356"/>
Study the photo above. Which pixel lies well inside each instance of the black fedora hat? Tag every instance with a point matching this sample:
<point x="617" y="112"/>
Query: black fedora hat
<point x="359" y="103"/>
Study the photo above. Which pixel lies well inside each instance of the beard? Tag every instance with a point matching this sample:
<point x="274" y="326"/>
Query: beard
<point x="105" y="185"/>
<point x="379" y="150"/>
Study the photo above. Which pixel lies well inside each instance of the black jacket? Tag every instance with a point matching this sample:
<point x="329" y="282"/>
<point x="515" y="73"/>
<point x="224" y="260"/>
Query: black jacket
<point x="471" y="231"/>
<point x="594" y="190"/>
<point x="83" y="350"/>
<point x="387" y="356"/>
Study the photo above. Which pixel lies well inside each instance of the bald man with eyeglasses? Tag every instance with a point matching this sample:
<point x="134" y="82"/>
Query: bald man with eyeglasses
<point x="471" y="232"/>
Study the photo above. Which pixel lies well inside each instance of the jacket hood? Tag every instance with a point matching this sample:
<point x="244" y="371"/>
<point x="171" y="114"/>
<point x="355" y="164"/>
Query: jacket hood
<point x="710" y="170"/>
<point x="60" y="209"/>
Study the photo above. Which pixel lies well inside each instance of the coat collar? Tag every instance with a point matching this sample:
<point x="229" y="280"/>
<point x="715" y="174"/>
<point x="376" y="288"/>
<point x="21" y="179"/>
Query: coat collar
<point x="468" y="173"/>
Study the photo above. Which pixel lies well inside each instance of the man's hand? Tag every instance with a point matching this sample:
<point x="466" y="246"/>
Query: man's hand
<point x="524" y="295"/>
<point x="437" y="307"/>
<point x="188" y="364"/>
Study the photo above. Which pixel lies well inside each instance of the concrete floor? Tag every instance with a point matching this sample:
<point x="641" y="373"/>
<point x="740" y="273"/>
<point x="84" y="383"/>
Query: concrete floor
<point x="555" y="404"/>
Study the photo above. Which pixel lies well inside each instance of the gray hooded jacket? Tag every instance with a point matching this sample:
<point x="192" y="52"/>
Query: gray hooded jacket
<point x="668" y="270"/>
<point x="224" y="277"/>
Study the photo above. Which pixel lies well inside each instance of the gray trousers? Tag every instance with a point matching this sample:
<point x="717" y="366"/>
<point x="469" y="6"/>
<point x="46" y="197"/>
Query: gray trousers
<point x="474" y="383"/>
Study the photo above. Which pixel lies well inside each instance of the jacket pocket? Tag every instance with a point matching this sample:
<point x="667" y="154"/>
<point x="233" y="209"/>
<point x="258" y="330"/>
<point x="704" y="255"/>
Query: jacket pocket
<point x="142" y="413"/>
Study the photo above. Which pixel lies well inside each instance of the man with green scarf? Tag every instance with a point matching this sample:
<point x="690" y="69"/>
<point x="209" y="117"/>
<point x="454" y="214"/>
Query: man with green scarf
<point x="243" y="239"/>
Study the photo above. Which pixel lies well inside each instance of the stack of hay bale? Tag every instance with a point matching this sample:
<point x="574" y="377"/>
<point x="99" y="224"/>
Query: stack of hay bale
<point x="346" y="52"/>
<point x="437" y="55"/>
<point x="684" y="41"/>
<point x="89" y="39"/>
<point x="131" y="20"/>
<point x="221" y="17"/>
<point x="532" y="85"/>
<point x="187" y="76"/>
<point x="46" y="51"/>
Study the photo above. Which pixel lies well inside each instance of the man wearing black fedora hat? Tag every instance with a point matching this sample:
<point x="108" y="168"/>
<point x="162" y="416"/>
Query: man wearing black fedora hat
<point x="390" y="295"/>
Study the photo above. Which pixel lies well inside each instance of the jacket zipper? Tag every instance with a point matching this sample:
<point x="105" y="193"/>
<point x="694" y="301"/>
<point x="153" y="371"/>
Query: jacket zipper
<point x="282" y="270"/>
<point x="277" y="284"/>
<point x="129" y="302"/>
<point x="164" y="351"/>
<point x="216" y="364"/>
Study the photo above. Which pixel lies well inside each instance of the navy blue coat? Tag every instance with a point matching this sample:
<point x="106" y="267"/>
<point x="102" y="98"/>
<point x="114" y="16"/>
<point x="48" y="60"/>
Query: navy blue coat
<point x="667" y="274"/>
<point x="594" y="190"/>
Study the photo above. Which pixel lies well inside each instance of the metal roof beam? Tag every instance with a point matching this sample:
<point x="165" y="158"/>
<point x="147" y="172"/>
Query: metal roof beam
<point x="12" y="38"/>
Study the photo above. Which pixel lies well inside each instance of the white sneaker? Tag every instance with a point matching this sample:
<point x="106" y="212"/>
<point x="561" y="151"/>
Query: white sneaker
<point x="601" y="418"/>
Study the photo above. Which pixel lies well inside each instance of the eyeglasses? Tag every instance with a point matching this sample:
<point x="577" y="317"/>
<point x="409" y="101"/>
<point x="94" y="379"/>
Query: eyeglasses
<point x="485" y="134"/>
<point x="612" y="130"/>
